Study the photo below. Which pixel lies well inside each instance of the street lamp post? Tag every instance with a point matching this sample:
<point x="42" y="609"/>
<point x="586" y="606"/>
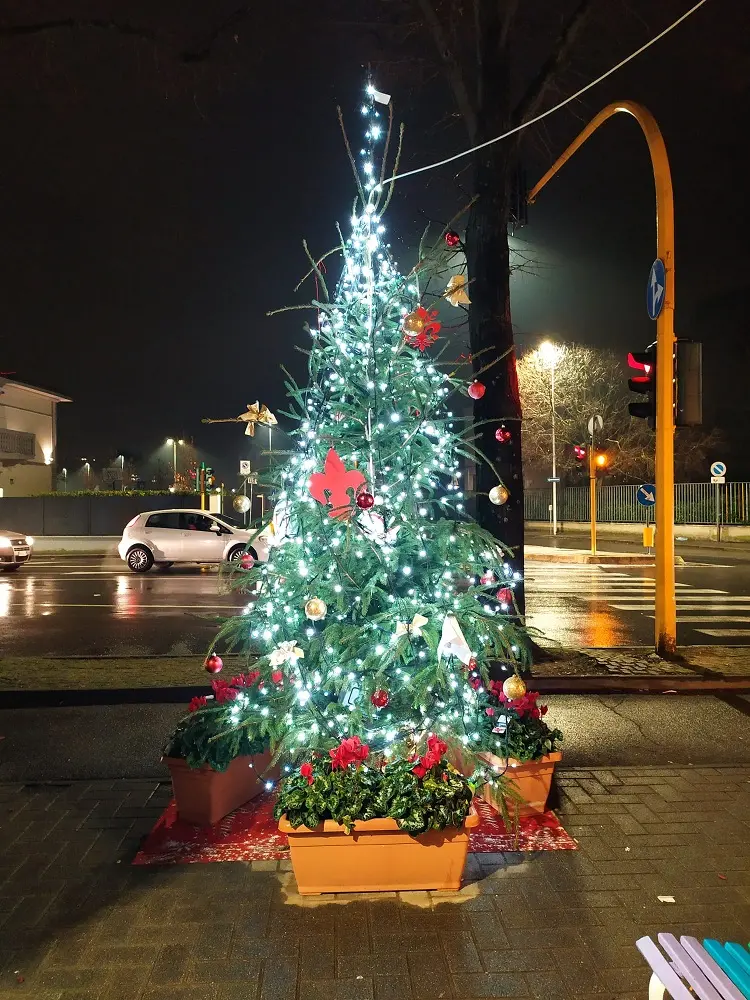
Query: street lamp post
<point x="550" y="354"/>
<point x="174" y="442"/>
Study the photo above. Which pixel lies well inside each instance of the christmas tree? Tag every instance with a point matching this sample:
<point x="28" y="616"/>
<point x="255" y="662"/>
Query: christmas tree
<point x="383" y="603"/>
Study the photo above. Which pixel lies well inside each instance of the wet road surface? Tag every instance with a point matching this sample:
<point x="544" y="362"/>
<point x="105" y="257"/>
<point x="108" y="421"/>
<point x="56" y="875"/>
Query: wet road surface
<point x="79" y="606"/>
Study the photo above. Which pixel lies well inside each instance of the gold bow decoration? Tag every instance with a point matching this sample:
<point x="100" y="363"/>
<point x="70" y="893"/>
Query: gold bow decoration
<point x="412" y="628"/>
<point x="255" y="414"/>
<point x="455" y="291"/>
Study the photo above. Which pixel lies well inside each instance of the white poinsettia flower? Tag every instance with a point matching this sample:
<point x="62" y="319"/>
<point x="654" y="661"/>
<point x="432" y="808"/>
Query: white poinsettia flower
<point x="285" y="652"/>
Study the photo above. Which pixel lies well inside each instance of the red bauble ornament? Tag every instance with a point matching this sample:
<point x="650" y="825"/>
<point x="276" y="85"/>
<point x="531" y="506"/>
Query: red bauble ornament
<point x="365" y="500"/>
<point x="472" y="664"/>
<point x="246" y="561"/>
<point x="477" y="389"/>
<point x="505" y="595"/>
<point x="452" y="240"/>
<point x="503" y="435"/>
<point x="213" y="663"/>
<point x="379" y="698"/>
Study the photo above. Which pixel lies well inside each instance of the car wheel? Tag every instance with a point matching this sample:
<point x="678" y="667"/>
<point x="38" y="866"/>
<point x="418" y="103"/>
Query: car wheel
<point x="12" y="569"/>
<point x="140" y="559"/>
<point x="238" y="552"/>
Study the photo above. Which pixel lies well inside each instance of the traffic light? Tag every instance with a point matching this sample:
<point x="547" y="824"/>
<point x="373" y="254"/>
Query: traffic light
<point x="200" y="477"/>
<point x="210" y="479"/>
<point x="601" y="461"/>
<point x="644" y="362"/>
<point x="579" y="452"/>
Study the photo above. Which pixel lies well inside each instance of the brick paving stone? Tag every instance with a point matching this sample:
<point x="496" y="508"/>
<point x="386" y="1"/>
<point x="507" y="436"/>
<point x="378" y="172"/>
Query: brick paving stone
<point x="563" y="924"/>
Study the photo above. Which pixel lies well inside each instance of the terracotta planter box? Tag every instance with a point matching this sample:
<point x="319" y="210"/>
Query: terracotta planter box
<point x="377" y="856"/>
<point x="205" y="796"/>
<point x="531" y="780"/>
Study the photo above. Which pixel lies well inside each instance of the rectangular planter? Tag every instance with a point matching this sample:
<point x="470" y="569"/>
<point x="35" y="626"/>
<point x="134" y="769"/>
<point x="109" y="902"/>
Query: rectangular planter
<point x="532" y="782"/>
<point x="376" y="856"/>
<point x="205" y="796"/>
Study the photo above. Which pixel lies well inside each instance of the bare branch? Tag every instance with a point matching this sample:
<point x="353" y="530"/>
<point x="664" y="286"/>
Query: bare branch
<point x="555" y="62"/>
<point x="452" y="66"/>
<point x="70" y="23"/>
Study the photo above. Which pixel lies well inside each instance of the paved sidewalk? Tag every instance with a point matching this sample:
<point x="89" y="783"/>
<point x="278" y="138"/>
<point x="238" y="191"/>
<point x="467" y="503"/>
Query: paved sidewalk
<point x="77" y="921"/>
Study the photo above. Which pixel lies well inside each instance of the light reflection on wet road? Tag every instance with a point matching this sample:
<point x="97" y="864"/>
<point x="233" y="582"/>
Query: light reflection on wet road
<point x="93" y="606"/>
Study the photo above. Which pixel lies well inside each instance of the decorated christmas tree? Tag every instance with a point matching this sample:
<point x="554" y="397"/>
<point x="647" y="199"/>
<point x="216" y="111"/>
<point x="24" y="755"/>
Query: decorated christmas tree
<point x="383" y="603"/>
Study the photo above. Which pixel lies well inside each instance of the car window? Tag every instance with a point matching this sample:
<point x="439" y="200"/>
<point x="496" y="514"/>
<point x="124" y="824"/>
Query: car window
<point x="166" y="519"/>
<point x="195" y="522"/>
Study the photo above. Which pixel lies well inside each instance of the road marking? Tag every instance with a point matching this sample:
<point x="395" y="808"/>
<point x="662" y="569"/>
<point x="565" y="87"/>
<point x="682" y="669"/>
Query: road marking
<point x="725" y="633"/>
<point x="710" y="618"/>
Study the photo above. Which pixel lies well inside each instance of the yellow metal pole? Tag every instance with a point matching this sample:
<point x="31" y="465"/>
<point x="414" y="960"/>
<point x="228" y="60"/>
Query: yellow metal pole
<point x="592" y="496"/>
<point x="666" y="610"/>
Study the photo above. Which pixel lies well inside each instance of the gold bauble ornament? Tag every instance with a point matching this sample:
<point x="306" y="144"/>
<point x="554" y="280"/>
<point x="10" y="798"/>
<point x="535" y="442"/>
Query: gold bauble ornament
<point x="315" y="609"/>
<point x="499" y="495"/>
<point x="514" y="687"/>
<point x="413" y="322"/>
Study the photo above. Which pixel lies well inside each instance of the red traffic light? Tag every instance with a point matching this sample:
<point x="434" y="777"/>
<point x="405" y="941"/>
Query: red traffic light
<point x="634" y="361"/>
<point x="579" y="451"/>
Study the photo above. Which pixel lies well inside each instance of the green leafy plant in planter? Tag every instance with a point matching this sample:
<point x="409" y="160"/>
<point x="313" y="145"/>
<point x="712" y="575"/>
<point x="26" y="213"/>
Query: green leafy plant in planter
<point x="515" y="727"/>
<point x="420" y="794"/>
<point x="222" y="726"/>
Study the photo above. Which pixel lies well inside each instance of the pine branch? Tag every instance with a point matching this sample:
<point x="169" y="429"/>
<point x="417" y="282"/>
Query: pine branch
<point x="554" y="64"/>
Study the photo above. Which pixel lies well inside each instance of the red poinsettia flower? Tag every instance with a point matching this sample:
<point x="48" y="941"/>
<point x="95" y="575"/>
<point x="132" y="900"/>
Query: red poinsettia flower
<point x="476" y="682"/>
<point x="307" y="772"/>
<point x="435" y="750"/>
<point x="349" y="751"/>
<point x="223" y="692"/>
<point x="245" y="680"/>
<point x="200" y="701"/>
<point x="489" y="711"/>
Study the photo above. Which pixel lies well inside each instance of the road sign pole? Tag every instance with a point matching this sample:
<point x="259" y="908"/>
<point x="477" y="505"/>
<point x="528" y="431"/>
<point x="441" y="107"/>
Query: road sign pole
<point x="718" y="512"/>
<point x="666" y="610"/>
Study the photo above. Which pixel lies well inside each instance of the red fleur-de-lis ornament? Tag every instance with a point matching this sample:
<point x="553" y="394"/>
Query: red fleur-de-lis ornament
<point x="331" y="487"/>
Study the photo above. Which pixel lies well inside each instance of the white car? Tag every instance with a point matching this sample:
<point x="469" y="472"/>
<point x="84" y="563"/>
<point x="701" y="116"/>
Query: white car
<point x="15" y="550"/>
<point x="169" y="536"/>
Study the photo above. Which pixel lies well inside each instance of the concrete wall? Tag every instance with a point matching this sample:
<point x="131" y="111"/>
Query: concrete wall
<point x="92" y="515"/>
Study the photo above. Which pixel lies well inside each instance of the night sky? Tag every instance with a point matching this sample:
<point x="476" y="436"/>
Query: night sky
<point x="153" y="210"/>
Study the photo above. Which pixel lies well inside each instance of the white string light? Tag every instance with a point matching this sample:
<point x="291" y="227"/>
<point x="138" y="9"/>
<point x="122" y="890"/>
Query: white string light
<point x="549" y="111"/>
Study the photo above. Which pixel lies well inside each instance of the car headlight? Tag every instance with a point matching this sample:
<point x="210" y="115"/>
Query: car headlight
<point x="29" y="540"/>
<point x="4" y="542"/>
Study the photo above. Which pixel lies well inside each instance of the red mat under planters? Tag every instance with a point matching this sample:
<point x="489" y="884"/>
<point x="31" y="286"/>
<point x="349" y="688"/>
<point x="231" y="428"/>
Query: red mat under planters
<point x="251" y="834"/>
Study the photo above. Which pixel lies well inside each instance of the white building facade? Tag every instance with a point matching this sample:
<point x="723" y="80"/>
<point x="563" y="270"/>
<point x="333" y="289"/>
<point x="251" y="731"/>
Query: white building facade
<point x="28" y="438"/>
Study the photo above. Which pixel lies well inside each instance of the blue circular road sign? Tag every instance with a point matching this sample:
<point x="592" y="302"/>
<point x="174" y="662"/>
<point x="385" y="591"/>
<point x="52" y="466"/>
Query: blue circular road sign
<point x="718" y="469"/>
<point x="646" y="495"/>
<point x="655" y="289"/>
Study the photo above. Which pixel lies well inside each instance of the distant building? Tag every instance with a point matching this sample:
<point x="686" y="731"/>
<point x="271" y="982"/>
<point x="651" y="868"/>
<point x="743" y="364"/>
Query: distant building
<point x="28" y="437"/>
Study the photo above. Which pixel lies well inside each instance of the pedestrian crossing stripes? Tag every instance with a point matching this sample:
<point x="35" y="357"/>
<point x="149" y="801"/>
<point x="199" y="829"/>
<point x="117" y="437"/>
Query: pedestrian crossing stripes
<point x="705" y="609"/>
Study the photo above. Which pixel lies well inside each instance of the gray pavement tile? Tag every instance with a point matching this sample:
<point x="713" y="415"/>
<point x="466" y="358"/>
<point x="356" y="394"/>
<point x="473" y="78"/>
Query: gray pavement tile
<point x="490" y="984"/>
<point x="429" y="975"/>
<point x="279" y="979"/>
<point x="392" y="988"/>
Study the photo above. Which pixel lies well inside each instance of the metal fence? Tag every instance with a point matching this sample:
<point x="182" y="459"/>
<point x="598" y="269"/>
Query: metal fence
<point x="695" y="503"/>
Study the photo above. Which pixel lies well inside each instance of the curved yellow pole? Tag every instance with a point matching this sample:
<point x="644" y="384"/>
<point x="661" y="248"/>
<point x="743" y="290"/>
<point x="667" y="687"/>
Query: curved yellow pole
<point x="666" y="610"/>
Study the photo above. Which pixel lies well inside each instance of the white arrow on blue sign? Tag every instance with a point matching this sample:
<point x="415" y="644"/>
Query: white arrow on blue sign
<point x="646" y="495"/>
<point x="657" y="283"/>
<point x="718" y="468"/>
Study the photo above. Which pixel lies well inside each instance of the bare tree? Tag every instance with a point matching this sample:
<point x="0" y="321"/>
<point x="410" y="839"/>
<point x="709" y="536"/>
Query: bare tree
<point x="589" y="381"/>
